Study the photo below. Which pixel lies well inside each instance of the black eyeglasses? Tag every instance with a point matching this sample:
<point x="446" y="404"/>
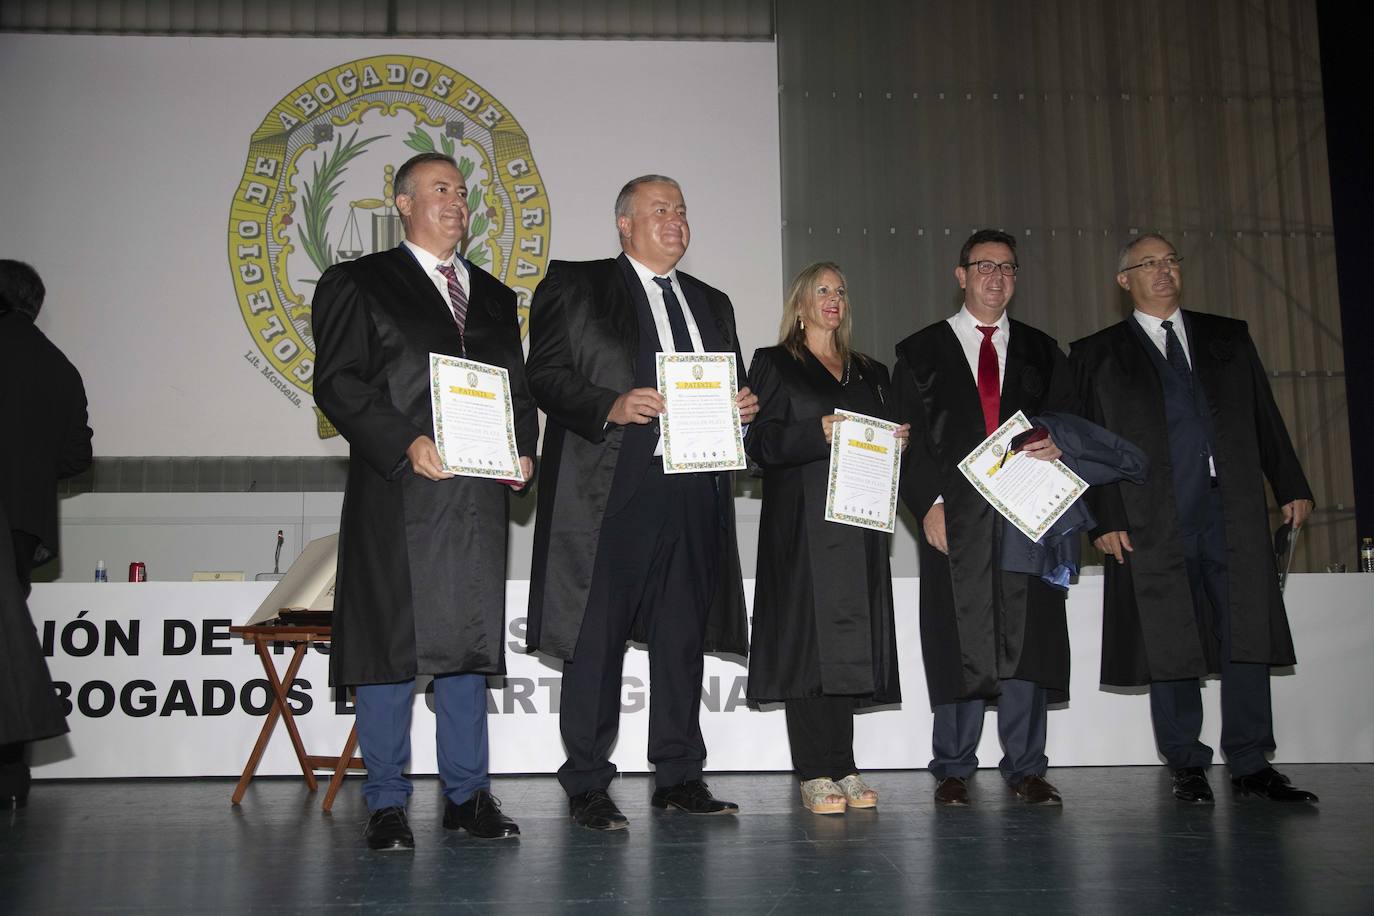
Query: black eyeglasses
<point x="1006" y="268"/>
<point x="1153" y="264"/>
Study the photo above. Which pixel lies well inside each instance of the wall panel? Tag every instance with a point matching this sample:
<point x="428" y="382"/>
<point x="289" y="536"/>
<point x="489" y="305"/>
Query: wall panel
<point x="1074" y="125"/>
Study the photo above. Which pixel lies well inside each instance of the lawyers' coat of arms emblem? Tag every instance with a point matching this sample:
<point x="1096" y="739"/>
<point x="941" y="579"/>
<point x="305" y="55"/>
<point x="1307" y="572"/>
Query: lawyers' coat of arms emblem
<point x="318" y="188"/>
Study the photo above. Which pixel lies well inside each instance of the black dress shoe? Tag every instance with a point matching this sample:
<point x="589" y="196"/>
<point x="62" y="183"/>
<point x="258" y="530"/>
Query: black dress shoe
<point x="481" y="817"/>
<point x="1271" y="784"/>
<point x="952" y="792"/>
<point x="693" y="797"/>
<point x="1190" y="785"/>
<point x="387" y="829"/>
<point x="595" y="811"/>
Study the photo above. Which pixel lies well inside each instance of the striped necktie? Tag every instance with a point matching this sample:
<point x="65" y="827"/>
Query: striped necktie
<point x="457" y="298"/>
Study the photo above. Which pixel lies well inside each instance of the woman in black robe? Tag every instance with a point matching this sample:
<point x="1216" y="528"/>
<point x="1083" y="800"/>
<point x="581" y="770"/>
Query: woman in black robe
<point x="823" y="640"/>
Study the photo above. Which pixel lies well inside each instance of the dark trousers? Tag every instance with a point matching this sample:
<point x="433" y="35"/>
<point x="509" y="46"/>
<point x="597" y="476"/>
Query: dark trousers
<point x="14" y="767"/>
<point x="460" y="711"/>
<point x="656" y="562"/>
<point x="820" y="731"/>
<point x="1022" y="714"/>
<point x="1247" y="722"/>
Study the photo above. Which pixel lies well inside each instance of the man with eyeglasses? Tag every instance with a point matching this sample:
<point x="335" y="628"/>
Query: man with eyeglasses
<point x="1191" y="585"/>
<point x="986" y="635"/>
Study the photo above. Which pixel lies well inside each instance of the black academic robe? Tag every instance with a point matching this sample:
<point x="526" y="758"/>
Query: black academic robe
<point x="29" y="708"/>
<point x="421" y="585"/>
<point x="43" y="414"/>
<point x="823" y="622"/>
<point x="584" y="338"/>
<point x="978" y="623"/>
<point x="1149" y="629"/>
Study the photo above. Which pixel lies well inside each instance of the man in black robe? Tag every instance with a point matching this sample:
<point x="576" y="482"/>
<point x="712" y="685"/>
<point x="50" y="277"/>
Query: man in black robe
<point x="622" y="549"/>
<point x="1191" y="583"/>
<point x="986" y="635"/>
<point x="43" y="413"/>
<point x="421" y="584"/>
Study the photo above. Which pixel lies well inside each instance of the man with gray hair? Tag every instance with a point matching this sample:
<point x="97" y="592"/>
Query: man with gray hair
<point x="1191" y="585"/>
<point x="621" y="549"/>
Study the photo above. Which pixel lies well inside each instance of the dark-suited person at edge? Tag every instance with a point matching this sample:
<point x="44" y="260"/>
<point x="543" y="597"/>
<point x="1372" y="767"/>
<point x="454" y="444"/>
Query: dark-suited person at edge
<point x="47" y="439"/>
<point x="824" y="639"/>
<point x="622" y="549"/>
<point x="421" y="583"/>
<point x="1191" y="580"/>
<point x="987" y="634"/>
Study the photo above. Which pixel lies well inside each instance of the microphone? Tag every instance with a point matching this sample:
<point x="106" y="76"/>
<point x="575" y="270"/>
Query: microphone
<point x="276" y="560"/>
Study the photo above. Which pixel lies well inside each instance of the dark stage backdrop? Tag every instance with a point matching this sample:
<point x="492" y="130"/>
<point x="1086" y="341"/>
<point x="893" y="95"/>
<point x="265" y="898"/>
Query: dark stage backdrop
<point x="1073" y="125"/>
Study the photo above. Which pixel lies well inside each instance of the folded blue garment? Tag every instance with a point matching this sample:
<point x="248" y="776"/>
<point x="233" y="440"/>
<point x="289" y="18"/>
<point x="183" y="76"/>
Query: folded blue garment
<point x="1097" y="455"/>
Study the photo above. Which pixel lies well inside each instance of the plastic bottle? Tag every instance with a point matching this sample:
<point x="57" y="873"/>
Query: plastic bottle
<point x="1367" y="555"/>
<point x="101" y="573"/>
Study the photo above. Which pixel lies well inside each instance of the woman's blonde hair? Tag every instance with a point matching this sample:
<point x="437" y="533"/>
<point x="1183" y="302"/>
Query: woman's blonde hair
<point x="791" y="336"/>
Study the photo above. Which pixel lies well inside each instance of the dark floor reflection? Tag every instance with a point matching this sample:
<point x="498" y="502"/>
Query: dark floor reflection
<point x="1120" y="845"/>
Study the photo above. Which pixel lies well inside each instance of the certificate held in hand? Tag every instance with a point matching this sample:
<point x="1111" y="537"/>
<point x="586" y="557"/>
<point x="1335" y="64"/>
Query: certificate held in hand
<point x="865" y="464"/>
<point x="701" y="426"/>
<point x="1030" y="493"/>
<point x="474" y="420"/>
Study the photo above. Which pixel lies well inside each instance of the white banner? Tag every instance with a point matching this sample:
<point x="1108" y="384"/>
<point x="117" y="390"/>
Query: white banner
<point x="157" y="687"/>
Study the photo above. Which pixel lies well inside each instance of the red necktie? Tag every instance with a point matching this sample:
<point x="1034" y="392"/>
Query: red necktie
<point x="989" y="380"/>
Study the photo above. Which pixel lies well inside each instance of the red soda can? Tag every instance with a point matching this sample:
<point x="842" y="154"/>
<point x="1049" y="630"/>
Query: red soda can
<point x="138" y="572"/>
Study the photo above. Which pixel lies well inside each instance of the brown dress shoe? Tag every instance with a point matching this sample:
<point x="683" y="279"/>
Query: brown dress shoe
<point x="1036" y="790"/>
<point x="952" y="792"/>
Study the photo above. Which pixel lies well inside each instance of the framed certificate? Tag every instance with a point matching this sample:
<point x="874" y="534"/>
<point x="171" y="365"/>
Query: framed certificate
<point x="1029" y="493"/>
<point x="865" y="464"/>
<point x="474" y="419"/>
<point x="701" y="427"/>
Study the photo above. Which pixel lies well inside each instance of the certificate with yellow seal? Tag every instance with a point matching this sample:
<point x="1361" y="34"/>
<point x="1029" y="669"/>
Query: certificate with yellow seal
<point x="865" y="464"/>
<point x="474" y="418"/>
<point x="1030" y="493"/>
<point x="700" y="425"/>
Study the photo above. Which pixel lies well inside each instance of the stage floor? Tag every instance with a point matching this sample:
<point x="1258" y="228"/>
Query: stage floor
<point x="1120" y="844"/>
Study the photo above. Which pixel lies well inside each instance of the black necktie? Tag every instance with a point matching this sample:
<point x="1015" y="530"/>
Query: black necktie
<point x="682" y="339"/>
<point x="1173" y="352"/>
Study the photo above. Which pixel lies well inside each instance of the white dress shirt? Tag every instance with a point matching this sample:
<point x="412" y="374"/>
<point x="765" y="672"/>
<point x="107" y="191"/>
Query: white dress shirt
<point x="1154" y="329"/>
<point x="965" y="328"/>
<point x="430" y="265"/>
<point x="654" y="293"/>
